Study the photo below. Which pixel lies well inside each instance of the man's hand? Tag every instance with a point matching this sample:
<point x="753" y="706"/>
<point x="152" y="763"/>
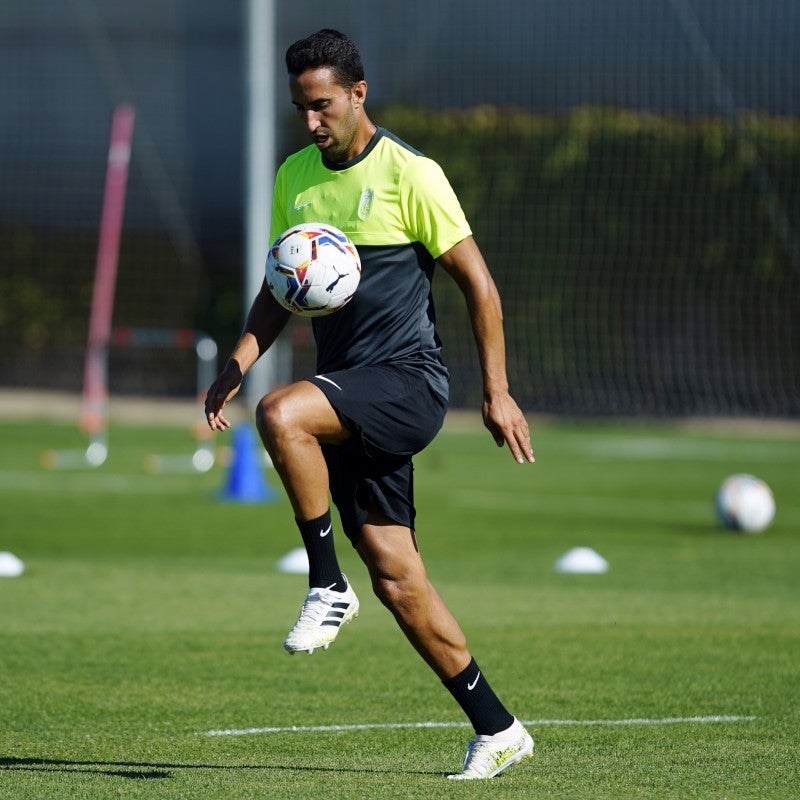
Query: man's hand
<point x="223" y="389"/>
<point x="507" y="424"/>
<point x="501" y="414"/>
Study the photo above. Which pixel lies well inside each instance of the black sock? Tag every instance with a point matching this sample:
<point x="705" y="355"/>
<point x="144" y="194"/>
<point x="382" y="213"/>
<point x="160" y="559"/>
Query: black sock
<point x="323" y="566"/>
<point x="481" y="705"/>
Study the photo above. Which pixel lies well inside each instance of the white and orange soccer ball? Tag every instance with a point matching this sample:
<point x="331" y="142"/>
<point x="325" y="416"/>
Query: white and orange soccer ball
<point x="313" y="269"/>
<point x="745" y="503"/>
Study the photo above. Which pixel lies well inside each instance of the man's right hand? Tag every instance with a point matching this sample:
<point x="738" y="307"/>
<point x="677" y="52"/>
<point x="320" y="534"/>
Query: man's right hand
<point x="223" y="389"/>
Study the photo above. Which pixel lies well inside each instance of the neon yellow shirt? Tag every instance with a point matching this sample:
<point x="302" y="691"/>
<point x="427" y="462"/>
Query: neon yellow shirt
<point x="400" y="211"/>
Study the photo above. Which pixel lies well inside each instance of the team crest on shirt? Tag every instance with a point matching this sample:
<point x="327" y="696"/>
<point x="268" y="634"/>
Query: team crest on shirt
<point x="300" y="203"/>
<point x="365" y="203"/>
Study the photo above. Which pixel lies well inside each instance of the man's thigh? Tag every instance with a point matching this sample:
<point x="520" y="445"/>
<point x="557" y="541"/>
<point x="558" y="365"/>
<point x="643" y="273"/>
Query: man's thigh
<point x="390" y="409"/>
<point x="304" y="406"/>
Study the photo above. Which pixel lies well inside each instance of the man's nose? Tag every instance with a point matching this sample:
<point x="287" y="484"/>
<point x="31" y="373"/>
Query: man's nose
<point x="312" y="121"/>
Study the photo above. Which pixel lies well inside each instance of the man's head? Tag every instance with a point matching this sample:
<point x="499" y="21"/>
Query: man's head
<point x="327" y="48"/>
<point x="326" y="81"/>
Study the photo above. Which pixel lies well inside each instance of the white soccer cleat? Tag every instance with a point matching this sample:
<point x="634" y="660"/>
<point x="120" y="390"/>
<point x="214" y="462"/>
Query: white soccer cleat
<point x="488" y="756"/>
<point x="321" y="617"/>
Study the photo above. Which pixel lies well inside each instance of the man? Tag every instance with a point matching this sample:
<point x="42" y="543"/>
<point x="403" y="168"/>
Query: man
<point x="380" y="394"/>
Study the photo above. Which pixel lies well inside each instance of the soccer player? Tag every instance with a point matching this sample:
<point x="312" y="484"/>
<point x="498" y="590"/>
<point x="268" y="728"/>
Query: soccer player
<point x="381" y="389"/>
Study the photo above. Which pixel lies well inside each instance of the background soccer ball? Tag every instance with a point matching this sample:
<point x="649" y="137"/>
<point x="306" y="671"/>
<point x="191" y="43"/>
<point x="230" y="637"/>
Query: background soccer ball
<point x="745" y="503"/>
<point x="313" y="269"/>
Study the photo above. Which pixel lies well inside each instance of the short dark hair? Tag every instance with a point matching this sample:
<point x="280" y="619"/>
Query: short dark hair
<point x="327" y="48"/>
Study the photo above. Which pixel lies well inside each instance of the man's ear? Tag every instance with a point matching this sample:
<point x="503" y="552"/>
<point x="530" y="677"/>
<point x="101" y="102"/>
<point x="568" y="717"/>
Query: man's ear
<point x="359" y="93"/>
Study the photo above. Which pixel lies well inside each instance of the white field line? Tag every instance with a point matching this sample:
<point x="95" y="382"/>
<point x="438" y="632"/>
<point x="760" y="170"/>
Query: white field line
<point x="88" y="480"/>
<point x="585" y="505"/>
<point x="634" y="508"/>
<point x="653" y="448"/>
<point x="534" y="723"/>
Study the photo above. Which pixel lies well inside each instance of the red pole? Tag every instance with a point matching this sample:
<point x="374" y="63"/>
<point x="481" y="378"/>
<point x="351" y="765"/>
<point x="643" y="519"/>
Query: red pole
<point x="95" y="382"/>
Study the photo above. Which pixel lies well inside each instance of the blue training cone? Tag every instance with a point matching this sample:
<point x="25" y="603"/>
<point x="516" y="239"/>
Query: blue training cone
<point x="246" y="482"/>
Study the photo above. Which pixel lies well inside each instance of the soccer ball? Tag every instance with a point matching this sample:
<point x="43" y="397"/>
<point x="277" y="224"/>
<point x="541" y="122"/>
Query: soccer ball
<point x="313" y="269"/>
<point x="745" y="503"/>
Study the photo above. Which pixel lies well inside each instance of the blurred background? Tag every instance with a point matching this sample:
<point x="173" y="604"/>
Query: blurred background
<point x="631" y="170"/>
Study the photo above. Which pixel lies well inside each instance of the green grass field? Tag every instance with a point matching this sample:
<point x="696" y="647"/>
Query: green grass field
<point x="151" y="614"/>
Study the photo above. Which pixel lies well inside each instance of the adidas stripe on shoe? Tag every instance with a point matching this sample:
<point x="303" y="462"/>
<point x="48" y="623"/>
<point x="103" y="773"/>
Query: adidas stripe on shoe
<point x="321" y="617"/>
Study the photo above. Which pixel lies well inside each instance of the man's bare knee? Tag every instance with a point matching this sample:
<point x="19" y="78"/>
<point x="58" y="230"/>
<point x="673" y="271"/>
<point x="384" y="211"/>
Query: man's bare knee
<point x="407" y="600"/>
<point x="297" y="412"/>
<point x="404" y="596"/>
<point x="388" y="591"/>
<point x="271" y="416"/>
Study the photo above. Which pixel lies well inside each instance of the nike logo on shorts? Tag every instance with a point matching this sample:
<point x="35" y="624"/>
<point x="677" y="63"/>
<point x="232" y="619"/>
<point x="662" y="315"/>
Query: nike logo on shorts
<point x="328" y="380"/>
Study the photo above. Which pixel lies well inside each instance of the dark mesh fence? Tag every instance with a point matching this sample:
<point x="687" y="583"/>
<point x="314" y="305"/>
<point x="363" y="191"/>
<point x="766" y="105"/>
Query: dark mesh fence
<point x="631" y="171"/>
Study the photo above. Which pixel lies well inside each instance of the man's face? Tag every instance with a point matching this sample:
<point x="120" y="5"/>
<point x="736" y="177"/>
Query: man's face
<point x="329" y="111"/>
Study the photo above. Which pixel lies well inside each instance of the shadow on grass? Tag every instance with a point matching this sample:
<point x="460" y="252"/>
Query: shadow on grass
<point x="118" y="769"/>
<point x="144" y="771"/>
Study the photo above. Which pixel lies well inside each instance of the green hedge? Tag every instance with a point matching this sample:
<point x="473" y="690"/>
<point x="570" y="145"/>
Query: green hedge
<point x="648" y="264"/>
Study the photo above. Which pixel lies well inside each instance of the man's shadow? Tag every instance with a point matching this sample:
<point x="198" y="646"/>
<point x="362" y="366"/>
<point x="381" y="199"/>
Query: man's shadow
<point x="143" y="770"/>
<point x="120" y="769"/>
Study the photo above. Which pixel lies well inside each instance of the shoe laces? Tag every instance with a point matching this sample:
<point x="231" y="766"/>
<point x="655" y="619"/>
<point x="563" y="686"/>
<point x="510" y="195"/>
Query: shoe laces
<point x="315" y="606"/>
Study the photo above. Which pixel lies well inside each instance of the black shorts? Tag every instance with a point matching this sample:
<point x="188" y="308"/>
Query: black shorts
<point x="393" y="413"/>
